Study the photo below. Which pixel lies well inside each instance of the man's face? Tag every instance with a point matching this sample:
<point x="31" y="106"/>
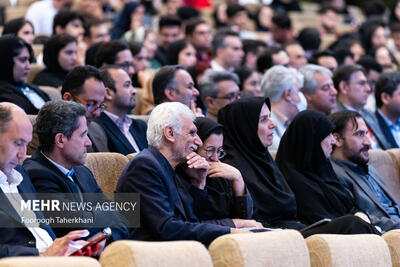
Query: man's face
<point x="372" y="78"/>
<point x="329" y="20"/>
<point x="392" y="103"/>
<point x="75" y="29"/>
<point x="396" y="39"/>
<point x="328" y="62"/>
<point x="188" y="141"/>
<point x="228" y="92"/>
<point x="124" y="98"/>
<point x="265" y="127"/>
<point x="99" y="33"/>
<point x="324" y="98"/>
<point x="297" y="56"/>
<point x="13" y="142"/>
<point x="74" y="150"/>
<point x="92" y="97"/>
<point x="168" y="35"/>
<point x="355" y="142"/>
<point x="281" y="58"/>
<point x="233" y="53"/>
<point x="124" y="59"/>
<point x="186" y="92"/>
<point x="240" y="20"/>
<point x="358" y="90"/>
<point x="201" y="37"/>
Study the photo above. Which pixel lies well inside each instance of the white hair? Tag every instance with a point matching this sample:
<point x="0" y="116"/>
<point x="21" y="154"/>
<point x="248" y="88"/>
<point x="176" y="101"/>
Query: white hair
<point x="163" y="115"/>
<point x="308" y="71"/>
<point x="279" y="78"/>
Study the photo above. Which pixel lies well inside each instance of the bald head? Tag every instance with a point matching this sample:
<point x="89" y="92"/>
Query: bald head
<point x="15" y="134"/>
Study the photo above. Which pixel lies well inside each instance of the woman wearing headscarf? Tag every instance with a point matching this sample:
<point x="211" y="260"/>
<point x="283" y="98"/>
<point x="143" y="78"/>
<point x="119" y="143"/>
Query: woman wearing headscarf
<point x="60" y="57"/>
<point x="228" y="196"/>
<point x="248" y="132"/>
<point x="16" y="56"/>
<point x="303" y="159"/>
<point x="128" y="24"/>
<point x="20" y="27"/>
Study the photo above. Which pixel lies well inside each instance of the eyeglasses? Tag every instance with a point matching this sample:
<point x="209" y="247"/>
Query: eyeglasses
<point x="91" y="107"/>
<point x="231" y="96"/>
<point x="210" y="151"/>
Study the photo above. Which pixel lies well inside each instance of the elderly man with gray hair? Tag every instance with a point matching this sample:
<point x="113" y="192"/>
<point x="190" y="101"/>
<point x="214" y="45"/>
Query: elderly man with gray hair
<point x="282" y="86"/>
<point x="218" y="89"/>
<point x="318" y="88"/>
<point x="166" y="200"/>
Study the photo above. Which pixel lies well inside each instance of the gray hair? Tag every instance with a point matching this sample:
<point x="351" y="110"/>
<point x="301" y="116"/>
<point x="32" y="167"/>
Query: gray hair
<point x="279" y="78"/>
<point x="55" y="117"/>
<point x="309" y="71"/>
<point x="163" y="115"/>
<point x="209" y="83"/>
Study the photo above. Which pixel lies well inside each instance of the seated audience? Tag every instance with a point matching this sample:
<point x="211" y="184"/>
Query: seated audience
<point x="353" y="90"/>
<point x="263" y="18"/>
<point x="125" y="135"/>
<point x="325" y="59"/>
<point x="272" y="56"/>
<point x="281" y="30"/>
<point x="248" y="131"/>
<point x="115" y="52"/>
<point x="57" y="166"/>
<point x="252" y="49"/>
<point x="16" y="56"/>
<point x="174" y="84"/>
<point x="218" y="89"/>
<point x="310" y="40"/>
<point x="69" y="22"/>
<point x="250" y="81"/>
<point x="20" y="28"/>
<point x="227" y="50"/>
<point x="183" y="53"/>
<point x="318" y="88"/>
<point x="140" y="63"/>
<point x="282" y="86"/>
<point x="18" y="239"/>
<point x="167" y="207"/>
<point x="169" y="31"/>
<point x="327" y="16"/>
<point x="297" y="55"/>
<point x="372" y="70"/>
<point x="60" y="57"/>
<point x="303" y="159"/>
<point x="350" y="163"/>
<point x="387" y="95"/>
<point x="128" y="24"/>
<point x="96" y="31"/>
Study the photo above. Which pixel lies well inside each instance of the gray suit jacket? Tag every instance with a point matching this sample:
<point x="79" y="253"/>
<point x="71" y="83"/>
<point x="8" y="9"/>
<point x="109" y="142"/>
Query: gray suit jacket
<point x="365" y="197"/>
<point x="98" y="137"/>
<point x="372" y="123"/>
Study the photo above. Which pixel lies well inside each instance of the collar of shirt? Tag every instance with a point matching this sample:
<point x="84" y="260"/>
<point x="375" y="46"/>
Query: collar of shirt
<point x="389" y="122"/>
<point x="14" y="179"/>
<point x="122" y="124"/>
<point x="217" y="67"/>
<point x="355" y="167"/>
<point x="65" y="171"/>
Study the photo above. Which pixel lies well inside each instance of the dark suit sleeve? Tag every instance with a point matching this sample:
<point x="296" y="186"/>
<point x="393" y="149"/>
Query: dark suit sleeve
<point x="156" y="207"/>
<point x="15" y="250"/>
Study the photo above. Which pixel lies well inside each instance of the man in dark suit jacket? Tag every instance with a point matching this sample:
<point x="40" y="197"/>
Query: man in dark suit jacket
<point x="18" y="236"/>
<point x="124" y="134"/>
<point x="62" y="132"/>
<point x="387" y="95"/>
<point x="166" y="206"/>
<point x="350" y="163"/>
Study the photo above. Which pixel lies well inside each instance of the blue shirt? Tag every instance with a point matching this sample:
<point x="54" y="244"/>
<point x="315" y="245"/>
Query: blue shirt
<point x="394" y="128"/>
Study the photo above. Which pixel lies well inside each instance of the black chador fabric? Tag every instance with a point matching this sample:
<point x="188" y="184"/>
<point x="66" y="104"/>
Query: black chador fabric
<point x="319" y="193"/>
<point x="274" y="202"/>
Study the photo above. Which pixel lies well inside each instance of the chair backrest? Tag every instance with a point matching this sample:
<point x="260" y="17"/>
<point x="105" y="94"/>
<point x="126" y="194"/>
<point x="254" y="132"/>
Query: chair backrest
<point x="35" y="69"/>
<point x="168" y="254"/>
<point x="392" y="239"/>
<point x="348" y="250"/>
<point x="276" y="248"/>
<point x="49" y="262"/>
<point x="52" y="92"/>
<point x="34" y="143"/>
<point x="131" y="156"/>
<point x="385" y="163"/>
<point x="106" y="168"/>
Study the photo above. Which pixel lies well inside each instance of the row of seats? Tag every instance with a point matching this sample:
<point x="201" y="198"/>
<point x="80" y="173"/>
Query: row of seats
<point x="276" y="248"/>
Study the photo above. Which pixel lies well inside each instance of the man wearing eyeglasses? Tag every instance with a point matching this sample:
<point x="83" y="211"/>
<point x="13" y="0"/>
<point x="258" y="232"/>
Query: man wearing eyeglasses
<point x="353" y="90"/>
<point x="85" y="85"/>
<point x="218" y="89"/>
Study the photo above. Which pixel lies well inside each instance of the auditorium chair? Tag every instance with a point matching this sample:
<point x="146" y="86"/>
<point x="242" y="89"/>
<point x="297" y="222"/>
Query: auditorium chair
<point x="49" y="262"/>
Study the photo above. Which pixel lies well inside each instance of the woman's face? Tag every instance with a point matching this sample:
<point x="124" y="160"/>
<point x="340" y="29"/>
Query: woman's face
<point x="140" y="60"/>
<point x="137" y="17"/>
<point x="21" y="65"/>
<point x="397" y="10"/>
<point x="382" y="56"/>
<point x="187" y="56"/>
<point x="150" y="44"/>
<point x="209" y="149"/>
<point x="327" y="144"/>
<point x="26" y="33"/>
<point x="252" y="85"/>
<point x="357" y="51"/>
<point x="265" y="127"/>
<point x="378" y="38"/>
<point x="67" y="57"/>
<point x="265" y="16"/>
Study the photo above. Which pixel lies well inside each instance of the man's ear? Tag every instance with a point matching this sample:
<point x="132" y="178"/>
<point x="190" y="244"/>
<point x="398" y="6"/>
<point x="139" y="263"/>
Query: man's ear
<point x="385" y="98"/>
<point x="308" y="97"/>
<point x="170" y="94"/>
<point x="169" y="134"/>
<point x="339" y="140"/>
<point x="109" y="94"/>
<point x="343" y="88"/>
<point x="67" y="96"/>
<point x="209" y="101"/>
<point x="59" y="29"/>
<point x="287" y="95"/>
<point x="59" y="140"/>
